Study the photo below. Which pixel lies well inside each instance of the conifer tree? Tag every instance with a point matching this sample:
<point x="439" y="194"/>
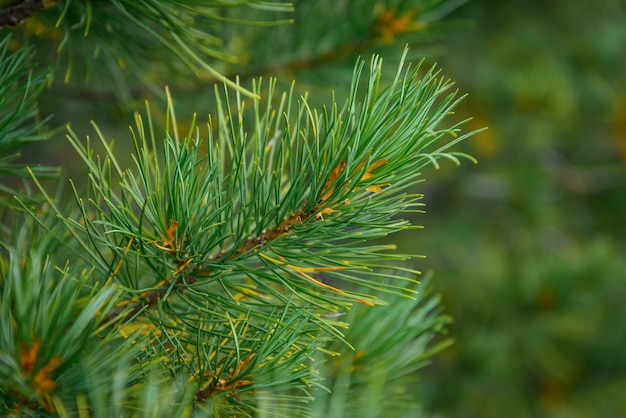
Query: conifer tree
<point x="229" y="265"/>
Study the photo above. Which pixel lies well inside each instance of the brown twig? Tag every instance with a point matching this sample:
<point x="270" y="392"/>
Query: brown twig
<point x="15" y="15"/>
<point x="230" y="381"/>
<point x="151" y="298"/>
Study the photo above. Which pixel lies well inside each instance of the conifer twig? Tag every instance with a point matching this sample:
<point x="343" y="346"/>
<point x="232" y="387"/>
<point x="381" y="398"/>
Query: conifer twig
<point x="151" y="298"/>
<point x="331" y="184"/>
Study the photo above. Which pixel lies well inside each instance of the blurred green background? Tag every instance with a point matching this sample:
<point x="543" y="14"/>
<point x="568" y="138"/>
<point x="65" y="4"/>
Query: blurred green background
<point x="528" y="247"/>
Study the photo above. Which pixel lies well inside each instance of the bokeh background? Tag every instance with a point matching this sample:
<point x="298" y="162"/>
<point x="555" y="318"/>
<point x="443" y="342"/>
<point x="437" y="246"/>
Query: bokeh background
<point x="528" y="246"/>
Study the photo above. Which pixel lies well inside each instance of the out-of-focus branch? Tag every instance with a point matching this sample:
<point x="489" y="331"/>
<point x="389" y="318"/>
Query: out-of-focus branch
<point x="15" y="15"/>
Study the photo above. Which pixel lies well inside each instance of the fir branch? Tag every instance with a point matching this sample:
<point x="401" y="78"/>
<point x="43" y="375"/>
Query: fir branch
<point x="15" y="15"/>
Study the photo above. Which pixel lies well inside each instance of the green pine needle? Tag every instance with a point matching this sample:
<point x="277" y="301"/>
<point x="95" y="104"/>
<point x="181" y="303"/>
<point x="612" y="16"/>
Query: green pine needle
<point x="19" y="117"/>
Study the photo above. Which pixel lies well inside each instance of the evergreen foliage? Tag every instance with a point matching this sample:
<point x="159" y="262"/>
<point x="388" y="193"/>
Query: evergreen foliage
<point x="19" y="120"/>
<point x="232" y="267"/>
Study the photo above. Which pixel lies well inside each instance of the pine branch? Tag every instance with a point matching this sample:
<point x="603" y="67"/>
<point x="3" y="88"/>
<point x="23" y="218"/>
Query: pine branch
<point x="20" y="123"/>
<point x="211" y="276"/>
<point x="153" y="297"/>
<point x="47" y="320"/>
<point x="229" y="255"/>
<point x="92" y="38"/>
<point x="312" y="189"/>
<point x="303" y="48"/>
<point x="391" y="343"/>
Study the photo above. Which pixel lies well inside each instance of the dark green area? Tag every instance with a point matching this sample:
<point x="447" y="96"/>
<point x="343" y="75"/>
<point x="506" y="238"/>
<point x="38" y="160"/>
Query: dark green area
<point x="528" y="247"/>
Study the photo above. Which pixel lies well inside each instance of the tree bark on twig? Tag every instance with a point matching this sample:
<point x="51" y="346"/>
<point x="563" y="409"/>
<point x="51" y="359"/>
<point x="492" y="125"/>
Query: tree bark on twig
<point x="15" y="15"/>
